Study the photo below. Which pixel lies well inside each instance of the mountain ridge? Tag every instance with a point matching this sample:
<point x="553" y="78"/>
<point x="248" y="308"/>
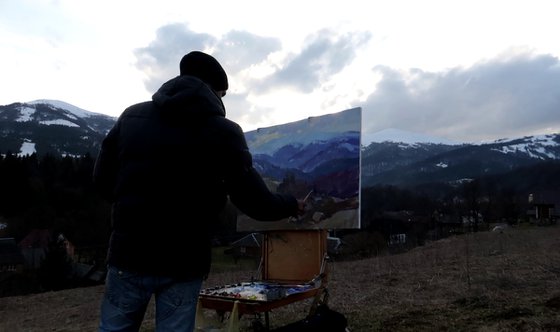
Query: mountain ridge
<point x="51" y="127"/>
<point x="393" y="157"/>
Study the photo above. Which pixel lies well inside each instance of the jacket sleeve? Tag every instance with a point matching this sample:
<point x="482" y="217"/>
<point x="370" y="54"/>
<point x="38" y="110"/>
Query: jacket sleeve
<point x="246" y="188"/>
<point x="105" y="168"/>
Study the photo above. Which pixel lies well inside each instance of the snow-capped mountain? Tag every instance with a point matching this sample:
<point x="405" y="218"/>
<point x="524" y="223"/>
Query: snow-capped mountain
<point x="67" y="108"/>
<point x="544" y="147"/>
<point x="394" y="161"/>
<point x="51" y="126"/>
<point x="315" y="149"/>
<point x="401" y="136"/>
<point x="540" y="147"/>
<point x="307" y="131"/>
<point x="390" y="156"/>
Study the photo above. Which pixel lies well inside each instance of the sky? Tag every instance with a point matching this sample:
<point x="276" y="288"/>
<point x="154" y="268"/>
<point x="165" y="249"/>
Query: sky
<point x="466" y="71"/>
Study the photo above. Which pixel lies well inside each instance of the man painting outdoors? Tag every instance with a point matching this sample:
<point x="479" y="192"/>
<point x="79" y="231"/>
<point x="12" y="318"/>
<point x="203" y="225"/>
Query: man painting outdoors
<point x="168" y="167"/>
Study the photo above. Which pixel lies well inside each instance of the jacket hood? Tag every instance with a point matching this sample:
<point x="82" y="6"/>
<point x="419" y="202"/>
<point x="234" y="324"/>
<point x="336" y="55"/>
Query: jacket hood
<point x="188" y="96"/>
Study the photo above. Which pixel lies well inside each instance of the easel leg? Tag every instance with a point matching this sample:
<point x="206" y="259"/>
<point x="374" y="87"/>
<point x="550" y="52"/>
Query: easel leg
<point x="266" y="321"/>
<point x="322" y="297"/>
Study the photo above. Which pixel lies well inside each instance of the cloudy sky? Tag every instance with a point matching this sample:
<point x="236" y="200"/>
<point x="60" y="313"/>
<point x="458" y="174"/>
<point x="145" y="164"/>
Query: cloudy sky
<point x="466" y="71"/>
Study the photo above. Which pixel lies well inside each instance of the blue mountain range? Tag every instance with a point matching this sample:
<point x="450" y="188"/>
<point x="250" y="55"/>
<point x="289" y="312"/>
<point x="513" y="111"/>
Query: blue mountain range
<point x="315" y="150"/>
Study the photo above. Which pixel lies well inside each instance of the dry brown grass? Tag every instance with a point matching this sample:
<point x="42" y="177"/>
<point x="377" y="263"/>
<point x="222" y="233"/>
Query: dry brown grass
<point x="477" y="282"/>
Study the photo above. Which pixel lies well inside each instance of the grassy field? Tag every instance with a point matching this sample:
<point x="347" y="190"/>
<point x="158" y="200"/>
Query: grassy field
<point x="487" y="281"/>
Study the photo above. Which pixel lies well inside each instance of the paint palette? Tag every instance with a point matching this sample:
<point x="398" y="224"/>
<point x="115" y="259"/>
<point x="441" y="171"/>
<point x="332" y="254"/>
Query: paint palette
<point x="256" y="291"/>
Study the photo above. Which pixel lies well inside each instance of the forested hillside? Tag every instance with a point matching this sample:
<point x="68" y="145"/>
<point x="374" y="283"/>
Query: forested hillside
<point x="52" y="193"/>
<point x="56" y="193"/>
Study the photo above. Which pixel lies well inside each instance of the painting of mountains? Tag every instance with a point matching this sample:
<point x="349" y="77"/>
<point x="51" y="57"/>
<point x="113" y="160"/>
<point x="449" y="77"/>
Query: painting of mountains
<point x="316" y="159"/>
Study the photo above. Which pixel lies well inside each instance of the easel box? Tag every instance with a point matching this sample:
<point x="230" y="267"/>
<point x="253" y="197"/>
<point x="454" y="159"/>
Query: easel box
<point x="294" y="256"/>
<point x="289" y="258"/>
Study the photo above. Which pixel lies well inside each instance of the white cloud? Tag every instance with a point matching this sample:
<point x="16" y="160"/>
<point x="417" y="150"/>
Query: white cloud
<point x="502" y="97"/>
<point x="436" y="67"/>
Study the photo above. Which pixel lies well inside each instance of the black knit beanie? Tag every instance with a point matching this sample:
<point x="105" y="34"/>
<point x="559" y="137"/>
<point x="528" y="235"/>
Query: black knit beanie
<point x="205" y="67"/>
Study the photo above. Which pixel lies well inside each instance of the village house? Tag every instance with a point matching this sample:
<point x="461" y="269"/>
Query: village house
<point x="84" y="260"/>
<point x="34" y="247"/>
<point x="543" y="208"/>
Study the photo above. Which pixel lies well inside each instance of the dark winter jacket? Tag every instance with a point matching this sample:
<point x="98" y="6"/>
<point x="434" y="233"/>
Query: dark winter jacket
<point x="168" y="166"/>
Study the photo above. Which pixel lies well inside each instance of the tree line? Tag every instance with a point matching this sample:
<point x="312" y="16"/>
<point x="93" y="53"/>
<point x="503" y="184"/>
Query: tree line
<point x="55" y="193"/>
<point x="52" y="192"/>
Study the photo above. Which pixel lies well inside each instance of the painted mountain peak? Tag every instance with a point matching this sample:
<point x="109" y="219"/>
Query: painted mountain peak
<point x="318" y="155"/>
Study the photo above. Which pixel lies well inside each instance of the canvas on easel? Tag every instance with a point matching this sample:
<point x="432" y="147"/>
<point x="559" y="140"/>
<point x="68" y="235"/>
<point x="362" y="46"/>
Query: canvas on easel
<point x="316" y="159"/>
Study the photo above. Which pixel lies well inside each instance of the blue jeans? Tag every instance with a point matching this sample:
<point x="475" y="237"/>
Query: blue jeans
<point x="127" y="295"/>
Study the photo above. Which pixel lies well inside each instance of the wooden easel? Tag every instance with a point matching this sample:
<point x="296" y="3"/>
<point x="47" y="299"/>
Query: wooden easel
<point x="288" y="257"/>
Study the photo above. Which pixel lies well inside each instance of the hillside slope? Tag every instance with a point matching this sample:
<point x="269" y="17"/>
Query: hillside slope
<point x="488" y="281"/>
